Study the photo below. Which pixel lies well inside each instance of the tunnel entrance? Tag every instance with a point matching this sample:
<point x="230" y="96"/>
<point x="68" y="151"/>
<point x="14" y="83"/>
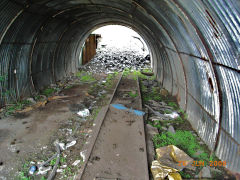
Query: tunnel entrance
<point x="114" y="48"/>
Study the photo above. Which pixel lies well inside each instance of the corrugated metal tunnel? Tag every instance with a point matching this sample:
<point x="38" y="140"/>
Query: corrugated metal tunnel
<point x="194" y="45"/>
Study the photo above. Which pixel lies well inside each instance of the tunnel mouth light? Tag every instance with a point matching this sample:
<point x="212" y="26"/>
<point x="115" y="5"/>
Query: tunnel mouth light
<point x="114" y="40"/>
<point x="121" y="38"/>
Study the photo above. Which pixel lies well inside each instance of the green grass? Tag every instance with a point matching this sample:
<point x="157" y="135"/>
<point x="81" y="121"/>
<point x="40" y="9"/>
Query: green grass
<point x="182" y="139"/>
<point x="133" y="94"/>
<point x="53" y="162"/>
<point x="126" y="72"/>
<point x="156" y="124"/>
<point x="48" y="91"/>
<point x="11" y="109"/>
<point x="153" y="95"/>
<point x="185" y="175"/>
<point x="173" y="105"/>
<point x="185" y="141"/>
<point x="85" y="76"/>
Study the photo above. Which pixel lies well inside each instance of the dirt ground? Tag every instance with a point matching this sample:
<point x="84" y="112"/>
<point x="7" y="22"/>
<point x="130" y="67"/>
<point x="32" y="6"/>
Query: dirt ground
<point x="27" y="139"/>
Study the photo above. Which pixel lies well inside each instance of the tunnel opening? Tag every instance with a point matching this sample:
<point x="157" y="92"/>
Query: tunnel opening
<point x="117" y="48"/>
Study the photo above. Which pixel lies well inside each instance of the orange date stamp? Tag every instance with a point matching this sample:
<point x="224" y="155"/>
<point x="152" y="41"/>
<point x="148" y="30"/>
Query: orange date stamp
<point x="202" y="163"/>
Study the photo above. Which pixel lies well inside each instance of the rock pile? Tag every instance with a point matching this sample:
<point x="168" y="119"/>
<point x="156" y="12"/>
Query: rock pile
<point x="111" y="60"/>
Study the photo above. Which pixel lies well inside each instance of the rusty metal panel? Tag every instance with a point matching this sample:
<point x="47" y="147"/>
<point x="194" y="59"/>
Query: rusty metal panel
<point x="89" y="50"/>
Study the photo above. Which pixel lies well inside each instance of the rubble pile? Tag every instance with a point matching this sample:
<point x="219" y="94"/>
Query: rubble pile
<point x="111" y="60"/>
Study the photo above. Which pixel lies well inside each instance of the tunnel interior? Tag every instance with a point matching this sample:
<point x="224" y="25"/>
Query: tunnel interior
<point x="194" y="46"/>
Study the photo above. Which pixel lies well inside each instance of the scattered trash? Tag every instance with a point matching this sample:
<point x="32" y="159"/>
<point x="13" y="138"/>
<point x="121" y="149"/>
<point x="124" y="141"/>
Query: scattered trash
<point x="84" y="113"/>
<point x="122" y="107"/>
<point x="63" y="166"/>
<point x="68" y="145"/>
<point x="173" y="115"/>
<point x="62" y="146"/>
<point x="32" y="170"/>
<point x="43" y="170"/>
<point x="59" y="170"/>
<point x="173" y="157"/>
<point x="160" y="172"/>
<point x="76" y="162"/>
<point x="82" y="154"/>
<point x="44" y="147"/>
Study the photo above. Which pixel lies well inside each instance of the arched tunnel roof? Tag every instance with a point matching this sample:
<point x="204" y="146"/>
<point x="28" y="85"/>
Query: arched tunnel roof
<point x="194" y="45"/>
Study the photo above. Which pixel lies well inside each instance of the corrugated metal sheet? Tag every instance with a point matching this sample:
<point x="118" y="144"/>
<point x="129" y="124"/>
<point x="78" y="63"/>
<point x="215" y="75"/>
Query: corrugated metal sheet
<point x="195" y="47"/>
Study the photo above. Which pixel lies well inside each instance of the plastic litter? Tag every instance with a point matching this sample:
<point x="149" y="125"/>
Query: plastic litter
<point x="76" y="162"/>
<point x="160" y="171"/>
<point x="59" y="170"/>
<point x="173" y="115"/>
<point x="84" y="113"/>
<point x="43" y="170"/>
<point x="170" y="160"/>
<point x="173" y="156"/>
<point x="68" y="145"/>
<point x="82" y="154"/>
<point x="62" y="146"/>
<point x="32" y="170"/>
<point x="122" y="107"/>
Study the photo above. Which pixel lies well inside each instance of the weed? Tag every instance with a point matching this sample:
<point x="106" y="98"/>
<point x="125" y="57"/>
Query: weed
<point x="10" y="109"/>
<point x="173" y="105"/>
<point x="181" y="111"/>
<point x="156" y="124"/>
<point x="185" y="175"/>
<point x="183" y="139"/>
<point x="85" y="76"/>
<point x="133" y="94"/>
<point x="63" y="159"/>
<point x="143" y="88"/>
<point x="67" y="172"/>
<point x="22" y="176"/>
<point x="53" y="162"/>
<point x="126" y="72"/>
<point x="69" y="86"/>
<point x="152" y="95"/>
<point x="95" y="113"/>
<point x="147" y="70"/>
<point x="48" y="92"/>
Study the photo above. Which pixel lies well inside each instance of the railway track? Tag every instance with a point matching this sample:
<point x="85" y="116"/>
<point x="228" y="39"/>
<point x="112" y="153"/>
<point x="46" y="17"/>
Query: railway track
<point x="117" y="147"/>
